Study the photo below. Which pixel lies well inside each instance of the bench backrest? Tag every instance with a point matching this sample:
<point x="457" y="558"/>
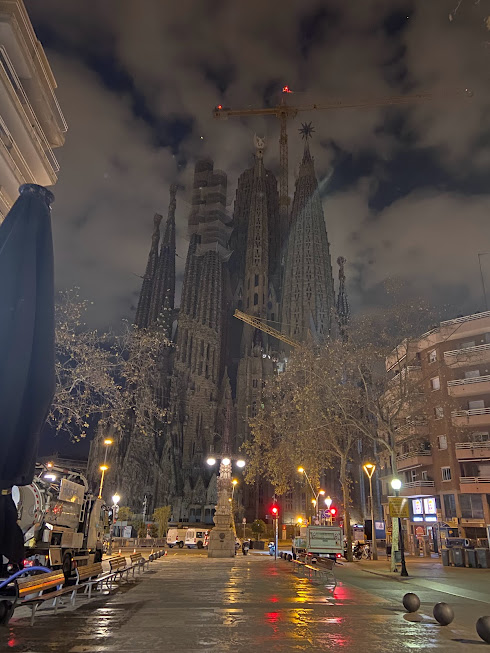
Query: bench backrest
<point x="134" y="557"/>
<point x="39" y="582"/>
<point x="89" y="571"/>
<point x="117" y="563"/>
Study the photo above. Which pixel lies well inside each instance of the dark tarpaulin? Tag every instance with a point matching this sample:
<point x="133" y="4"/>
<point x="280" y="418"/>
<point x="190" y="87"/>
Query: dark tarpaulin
<point x="27" y="377"/>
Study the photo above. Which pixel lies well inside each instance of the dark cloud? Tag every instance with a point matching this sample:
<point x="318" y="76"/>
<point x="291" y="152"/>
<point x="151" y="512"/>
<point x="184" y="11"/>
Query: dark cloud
<point x="138" y="81"/>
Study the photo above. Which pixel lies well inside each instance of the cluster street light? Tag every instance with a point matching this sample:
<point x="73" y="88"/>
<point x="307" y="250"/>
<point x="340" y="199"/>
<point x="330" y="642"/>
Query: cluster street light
<point x="396" y="485"/>
<point x="314" y="501"/>
<point x="328" y="503"/>
<point x="370" y="468"/>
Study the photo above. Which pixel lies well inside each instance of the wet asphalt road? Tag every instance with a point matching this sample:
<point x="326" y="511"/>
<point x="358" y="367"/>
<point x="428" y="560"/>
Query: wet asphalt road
<point x="189" y="603"/>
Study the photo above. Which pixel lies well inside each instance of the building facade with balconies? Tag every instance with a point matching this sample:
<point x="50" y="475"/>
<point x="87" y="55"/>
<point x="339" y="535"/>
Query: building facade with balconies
<point x="31" y="121"/>
<point x="443" y="444"/>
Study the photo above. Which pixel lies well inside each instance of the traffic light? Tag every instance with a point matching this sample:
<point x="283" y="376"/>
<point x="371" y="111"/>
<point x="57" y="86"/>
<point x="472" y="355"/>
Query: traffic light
<point x="275" y="511"/>
<point x="333" y="513"/>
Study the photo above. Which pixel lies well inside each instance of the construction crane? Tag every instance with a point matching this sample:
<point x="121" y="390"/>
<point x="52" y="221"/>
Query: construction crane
<point x="258" y="323"/>
<point x="285" y="111"/>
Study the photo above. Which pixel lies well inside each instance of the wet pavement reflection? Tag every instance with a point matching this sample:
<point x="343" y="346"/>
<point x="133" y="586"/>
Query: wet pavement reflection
<point x="250" y="603"/>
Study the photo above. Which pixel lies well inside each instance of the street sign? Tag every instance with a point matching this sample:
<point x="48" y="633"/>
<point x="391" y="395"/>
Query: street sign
<point x="244" y="520"/>
<point x="398" y="507"/>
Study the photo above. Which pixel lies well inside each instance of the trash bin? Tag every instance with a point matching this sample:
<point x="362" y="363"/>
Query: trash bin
<point x="458" y="558"/>
<point x="445" y="557"/>
<point x="482" y="558"/>
<point x="470" y="558"/>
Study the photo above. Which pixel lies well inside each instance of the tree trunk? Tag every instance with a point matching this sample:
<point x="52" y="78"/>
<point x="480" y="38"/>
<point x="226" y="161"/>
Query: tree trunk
<point x="344" y="481"/>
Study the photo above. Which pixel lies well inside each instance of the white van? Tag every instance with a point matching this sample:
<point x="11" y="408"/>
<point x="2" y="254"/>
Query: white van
<point x="176" y="537"/>
<point x="196" y="538"/>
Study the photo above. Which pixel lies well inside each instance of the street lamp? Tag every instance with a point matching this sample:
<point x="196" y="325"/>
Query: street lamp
<point x="115" y="500"/>
<point x="328" y="503"/>
<point x="396" y="485"/>
<point x="369" y="468"/>
<point x="107" y="444"/>
<point x="103" y="469"/>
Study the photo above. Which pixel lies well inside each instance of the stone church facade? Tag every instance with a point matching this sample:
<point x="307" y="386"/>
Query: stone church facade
<point x="214" y="374"/>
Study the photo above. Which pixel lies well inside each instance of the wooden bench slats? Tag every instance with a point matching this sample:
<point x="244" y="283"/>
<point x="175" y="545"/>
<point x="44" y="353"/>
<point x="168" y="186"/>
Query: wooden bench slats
<point x="40" y="582"/>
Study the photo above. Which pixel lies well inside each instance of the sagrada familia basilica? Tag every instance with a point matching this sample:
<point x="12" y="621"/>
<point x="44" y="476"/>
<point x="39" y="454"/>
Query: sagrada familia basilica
<point x="270" y="264"/>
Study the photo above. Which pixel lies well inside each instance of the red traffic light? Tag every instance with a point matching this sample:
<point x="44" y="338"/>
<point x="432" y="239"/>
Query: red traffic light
<point x="275" y="511"/>
<point x="333" y="511"/>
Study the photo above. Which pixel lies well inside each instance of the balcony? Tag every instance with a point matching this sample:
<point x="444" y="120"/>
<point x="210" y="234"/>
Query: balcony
<point x="412" y="430"/>
<point x="467" y="356"/>
<point x="413" y="459"/>
<point x="417" y="489"/>
<point x="473" y="450"/>
<point x="474" y="484"/>
<point x="472" y="417"/>
<point x="477" y="385"/>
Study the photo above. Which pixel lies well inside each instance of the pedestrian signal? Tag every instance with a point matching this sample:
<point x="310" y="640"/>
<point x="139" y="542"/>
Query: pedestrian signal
<point x="275" y="511"/>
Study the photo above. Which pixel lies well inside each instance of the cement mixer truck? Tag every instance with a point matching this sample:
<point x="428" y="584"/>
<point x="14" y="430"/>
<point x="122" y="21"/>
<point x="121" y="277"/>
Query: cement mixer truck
<point x="62" y="522"/>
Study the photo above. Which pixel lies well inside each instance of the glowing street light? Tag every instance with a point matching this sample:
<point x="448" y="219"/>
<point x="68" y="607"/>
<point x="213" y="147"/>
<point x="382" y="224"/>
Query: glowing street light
<point x="103" y="469"/>
<point x="211" y="460"/>
<point x="328" y="502"/>
<point x="107" y="444"/>
<point x="240" y="463"/>
<point x="226" y="461"/>
<point x="396" y="484"/>
<point x="370" y="468"/>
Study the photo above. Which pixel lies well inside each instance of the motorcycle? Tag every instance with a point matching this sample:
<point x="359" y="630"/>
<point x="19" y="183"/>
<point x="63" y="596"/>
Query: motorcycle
<point x="361" y="551"/>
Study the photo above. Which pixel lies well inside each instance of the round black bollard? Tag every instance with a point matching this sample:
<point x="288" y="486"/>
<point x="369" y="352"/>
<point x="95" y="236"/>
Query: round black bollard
<point x="443" y="613"/>
<point x="411" y="602"/>
<point x="483" y="628"/>
<point x="151" y="558"/>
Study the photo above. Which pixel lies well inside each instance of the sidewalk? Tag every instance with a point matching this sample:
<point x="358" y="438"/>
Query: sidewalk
<point x="429" y="573"/>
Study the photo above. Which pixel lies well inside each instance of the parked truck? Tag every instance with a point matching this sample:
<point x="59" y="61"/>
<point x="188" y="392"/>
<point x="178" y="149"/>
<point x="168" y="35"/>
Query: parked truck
<point x="62" y="522"/>
<point x="326" y="541"/>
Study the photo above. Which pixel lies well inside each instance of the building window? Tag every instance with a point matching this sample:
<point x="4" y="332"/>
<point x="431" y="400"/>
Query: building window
<point x="256" y="280"/>
<point x="446" y="473"/>
<point x="442" y="441"/>
<point x="468" y="344"/>
<point x="449" y="506"/>
<point x="256" y="299"/>
<point x="439" y="412"/>
<point x="254" y="408"/>
<point x="471" y="374"/>
<point x="435" y="383"/>
<point x="471" y="506"/>
<point x="477" y="403"/>
<point x="254" y="383"/>
<point x="424" y="475"/>
<point x="432" y="356"/>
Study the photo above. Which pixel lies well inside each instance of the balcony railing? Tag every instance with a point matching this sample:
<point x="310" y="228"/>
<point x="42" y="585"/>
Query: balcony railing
<point x="474" y="479"/>
<point x="466" y="318"/>
<point x="412" y="484"/>
<point x="473" y="379"/>
<point x="456" y="353"/>
<point x="412" y="454"/>
<point x="470" y="412"/>
<point x="484" y="444"/>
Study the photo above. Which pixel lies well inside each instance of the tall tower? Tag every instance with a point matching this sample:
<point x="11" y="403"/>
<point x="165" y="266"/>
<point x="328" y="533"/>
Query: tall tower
<point x="198" y="364"/>
<point x="308" y="291"/>
<point x="256" y="290"/>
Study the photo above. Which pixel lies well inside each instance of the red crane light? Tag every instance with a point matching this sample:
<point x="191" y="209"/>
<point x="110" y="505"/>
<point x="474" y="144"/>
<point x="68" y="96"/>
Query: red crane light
<point x="219" y="107"/>
<point x="285" y="89"/>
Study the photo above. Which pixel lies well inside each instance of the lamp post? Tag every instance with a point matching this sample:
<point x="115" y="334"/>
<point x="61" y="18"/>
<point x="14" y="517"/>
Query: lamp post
<point x="328" y="503"/>
<point x="369" y="468"/>
<point x="396" y="485"/>
<point x="222" y="536"/>
<point x="107" y="444"/>
<point x="314" y="501"/>
<point x="103" y="469"/>
<point x="115" y="500"/>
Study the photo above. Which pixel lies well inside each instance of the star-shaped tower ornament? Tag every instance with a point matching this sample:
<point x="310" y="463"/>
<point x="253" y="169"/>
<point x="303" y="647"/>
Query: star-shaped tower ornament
<point x="306" y="130"/>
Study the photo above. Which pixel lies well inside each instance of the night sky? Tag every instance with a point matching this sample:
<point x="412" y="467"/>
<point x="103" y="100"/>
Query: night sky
<point x="406" y="192"/>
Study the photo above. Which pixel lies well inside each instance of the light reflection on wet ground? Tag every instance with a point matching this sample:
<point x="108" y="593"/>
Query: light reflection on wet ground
<point x="247" y="604"/>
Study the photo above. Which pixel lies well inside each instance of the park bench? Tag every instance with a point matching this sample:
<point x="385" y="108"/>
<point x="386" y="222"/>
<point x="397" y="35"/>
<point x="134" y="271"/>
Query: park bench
<point x="90" y="575"/>
<point x="43" y="587"/>
<point x="119" y="567"/>
<point x="136" y="561"/>
<point x="324" y="568"/>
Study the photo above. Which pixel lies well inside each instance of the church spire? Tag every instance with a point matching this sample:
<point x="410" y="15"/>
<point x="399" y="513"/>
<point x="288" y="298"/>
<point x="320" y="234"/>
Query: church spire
<point x="308" y="292"/>
<point x="343" y="311"/>
<point x="143" y="310"/>
<point x="163" y="293"/>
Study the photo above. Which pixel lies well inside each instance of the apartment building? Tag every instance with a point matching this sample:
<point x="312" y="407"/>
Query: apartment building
<point x="443" y="442"/>
<point x="31" y="121"/>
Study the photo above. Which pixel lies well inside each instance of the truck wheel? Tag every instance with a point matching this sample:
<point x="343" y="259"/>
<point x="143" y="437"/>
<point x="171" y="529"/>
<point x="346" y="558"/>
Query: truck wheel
<point x="181" y="545"/>
<point x="67" y="565"/>
<point x="170" y="546"/>
<point x="199" y="545"/>
<point x="6" y="611"/>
